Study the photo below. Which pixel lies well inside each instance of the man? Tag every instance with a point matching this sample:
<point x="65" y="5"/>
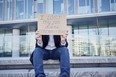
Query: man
<point x="51" y="47"/>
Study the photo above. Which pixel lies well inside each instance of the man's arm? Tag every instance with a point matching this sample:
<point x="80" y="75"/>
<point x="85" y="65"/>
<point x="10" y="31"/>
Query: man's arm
<point x="64" y="39"/>
<point x="38" y="38"/>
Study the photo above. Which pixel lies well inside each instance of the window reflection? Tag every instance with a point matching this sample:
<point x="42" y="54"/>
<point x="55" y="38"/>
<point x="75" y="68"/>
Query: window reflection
<point x="27" y="40"/>
<point x="27" y="44"/>
<point x="103" y="38"/>
<point x="2" y="42"/>
<point x="70" y="7"/>
<point x="9" y="9"/>
<point x="40" y="6"/>
<point x="30" y="8"/>
<point x="93" y="34"/>
<point x="112" y="34"/>
<point x="82" y="2"/>
<point x="18" y="42"/>
<point x="23" y="49"/>
<point x="49" y="6"/>
<point x="6" y="42"/>
<point x="95" y="40"/>
<point x="8" y="45"/>
<point x="81" y="41"/>
<point x="20" y="9"/>
<point x="58" y="6"/>
<point x="113" y="5"/>
<point x="1" y="10"/>
<point x="85" y="6"/>
<point x="105" y="5"/>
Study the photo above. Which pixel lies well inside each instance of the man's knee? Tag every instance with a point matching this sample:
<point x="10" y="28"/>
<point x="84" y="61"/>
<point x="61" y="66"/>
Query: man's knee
<point x="38" y="50"/>
<point x="64" y="50"/>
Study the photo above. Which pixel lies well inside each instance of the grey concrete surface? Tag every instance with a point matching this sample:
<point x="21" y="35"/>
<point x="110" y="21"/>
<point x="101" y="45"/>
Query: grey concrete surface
<point x="73" y="60"/>
<point x="75" y="72"/>
<point x="88" y="67"/>
<point x="24" y="63"/>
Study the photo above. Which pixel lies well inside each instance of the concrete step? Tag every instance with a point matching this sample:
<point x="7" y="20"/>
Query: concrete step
<point x="75" y="62"/>
<point x="75" y="72"/>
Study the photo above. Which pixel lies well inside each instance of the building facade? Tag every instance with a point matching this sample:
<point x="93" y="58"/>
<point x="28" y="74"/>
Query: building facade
<point x="92" y="26"/>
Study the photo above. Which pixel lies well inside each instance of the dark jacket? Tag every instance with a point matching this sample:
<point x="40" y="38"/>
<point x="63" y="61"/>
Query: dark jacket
<point x="57" y="40"/>
<point x="45" y="39"/>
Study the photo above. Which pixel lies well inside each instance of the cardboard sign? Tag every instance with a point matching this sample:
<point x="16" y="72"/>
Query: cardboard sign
<point x="52" y="24"/>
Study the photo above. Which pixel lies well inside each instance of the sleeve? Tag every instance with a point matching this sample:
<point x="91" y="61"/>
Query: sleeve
<point x="63" y="43"/>
<point x="40" y="44"/>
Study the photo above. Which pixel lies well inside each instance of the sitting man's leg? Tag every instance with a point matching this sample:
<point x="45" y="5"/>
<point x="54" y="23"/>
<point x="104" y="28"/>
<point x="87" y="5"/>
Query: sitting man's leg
<point x="38" y="55"/>
<point x="62" y="54"/>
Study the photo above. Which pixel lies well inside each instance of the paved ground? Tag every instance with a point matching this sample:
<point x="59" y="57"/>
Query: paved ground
<point x="75" y="72"/>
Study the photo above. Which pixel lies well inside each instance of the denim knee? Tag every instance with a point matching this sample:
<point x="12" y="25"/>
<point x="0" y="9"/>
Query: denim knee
<point x="64" y="50"/>
<point x="38" y="50"/>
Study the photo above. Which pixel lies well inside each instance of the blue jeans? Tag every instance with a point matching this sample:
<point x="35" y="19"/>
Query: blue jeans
<point x="60" y="54"/>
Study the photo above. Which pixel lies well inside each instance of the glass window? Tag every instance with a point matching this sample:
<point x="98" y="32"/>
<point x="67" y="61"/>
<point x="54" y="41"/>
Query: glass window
<point x="103" y="38"/>
<point x="105" y="5"/>
<point x="112" y="38"/>
<point x="27" y="44"/>
<point x="75" y="41"/>
<point x="30" y="37"/>
<point x="99" y="5"/>
<point x="58" y="7"/>
<point x="6" y="42"/>
<point x="70" y="7"/>
<point x="1" y="10"/>
<point x="30" y="41"/>
<point x="26" y="8"/>
<point x="112" y="1"/>
<point x="27" y="39"/>
<point x="40" y="6"/>
<point x="1" y="42"/>
<point x="113" y="5"/>
<point x="95" y="40"/>
<point x="87" y="2"/>
<point x="30" y="8"/>
<point x="93" y="37"/>
<point x="23" y="47"/>
<point x="81" y="2"/>
<point x="9" y="10"/>
<point x="91" y="6"/>
<point x="83" y="40"/>
<point x="23" y="41"/>
<point x="81" y="45"/>
<point x="85" y="6"/>
<point x="8" y="45"/>
<point x="81" y="7"/>
<point x="49" y="6"/>
<point x="20" y="9"/>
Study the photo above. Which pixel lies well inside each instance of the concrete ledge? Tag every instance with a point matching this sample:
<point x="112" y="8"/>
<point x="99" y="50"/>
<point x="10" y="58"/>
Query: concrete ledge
<point x="25" y="60"/>
<point x="22" y="63"/>
<point x="75" y="72"/>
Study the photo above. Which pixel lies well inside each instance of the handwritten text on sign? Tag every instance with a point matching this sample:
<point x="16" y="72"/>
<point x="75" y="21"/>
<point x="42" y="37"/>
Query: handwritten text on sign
<point x="52" y="24"/>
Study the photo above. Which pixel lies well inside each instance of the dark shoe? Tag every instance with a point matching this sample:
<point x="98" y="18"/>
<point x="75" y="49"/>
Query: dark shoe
<point x="64" y="75"/>
<point x="41" y="75"/>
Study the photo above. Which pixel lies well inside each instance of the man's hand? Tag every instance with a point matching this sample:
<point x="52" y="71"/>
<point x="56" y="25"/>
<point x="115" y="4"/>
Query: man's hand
<point x="38" y="37"/>
<point x="64" y="37"/>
